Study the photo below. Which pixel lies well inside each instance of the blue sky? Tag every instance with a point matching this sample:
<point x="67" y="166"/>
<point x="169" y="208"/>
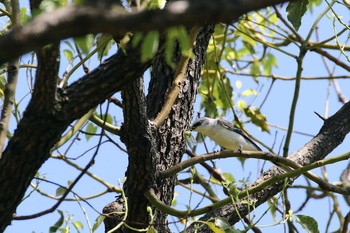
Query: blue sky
<point x="111" y="163"/>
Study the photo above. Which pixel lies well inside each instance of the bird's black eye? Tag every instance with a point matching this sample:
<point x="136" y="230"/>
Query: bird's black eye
<point x="196" y="124"/>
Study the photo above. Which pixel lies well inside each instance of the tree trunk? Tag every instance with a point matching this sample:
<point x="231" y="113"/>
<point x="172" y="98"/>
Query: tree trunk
<point x="152" y="149"/>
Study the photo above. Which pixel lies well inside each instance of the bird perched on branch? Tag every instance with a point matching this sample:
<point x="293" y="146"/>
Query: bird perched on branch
<point x="225" y="134"/>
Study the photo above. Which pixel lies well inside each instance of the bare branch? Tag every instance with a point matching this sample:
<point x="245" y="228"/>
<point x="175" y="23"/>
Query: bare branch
<point x="75" y="21"/>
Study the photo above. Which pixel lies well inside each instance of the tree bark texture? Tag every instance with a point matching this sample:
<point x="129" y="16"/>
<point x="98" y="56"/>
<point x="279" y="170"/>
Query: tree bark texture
<point x="45" y="119"/>
<point x="152" y="149"/>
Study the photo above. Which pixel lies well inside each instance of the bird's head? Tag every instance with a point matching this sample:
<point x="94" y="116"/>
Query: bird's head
<point x="202" y="124"/>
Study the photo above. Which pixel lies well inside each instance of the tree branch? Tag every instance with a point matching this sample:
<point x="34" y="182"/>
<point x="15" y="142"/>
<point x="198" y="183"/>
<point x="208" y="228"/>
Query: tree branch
<point x="176" y="86"/>
<point x="10" y="88"/>
<point x="75" y="21"/>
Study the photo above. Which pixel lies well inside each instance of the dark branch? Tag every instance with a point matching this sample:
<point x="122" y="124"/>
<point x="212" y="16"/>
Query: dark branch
<point x="75" y="21"/>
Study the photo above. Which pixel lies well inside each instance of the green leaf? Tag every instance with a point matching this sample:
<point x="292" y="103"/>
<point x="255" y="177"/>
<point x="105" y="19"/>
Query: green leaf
<point x="137" y="37"/>
<point x="269" y="62"/>
<point x="69" y="44"/>
<point x="255" y="69"/>
<point x="64" y="230"/>
<point x="170" y="47"/>
<point x="2" y="85"/>
<point x="313" y="3"/>
<point x="152" y="230"/>
<point x="23" y="15"/>
<point x="229" y="177"/>
<point x="68" y="54"/>
<point x="60" y="191"/>
<point x="50" y="5"/>
<point x="85" y="43"/>
<point x="149" y="46"/>
<point x="273" y="203"/>
<point x="249" y="92"/>
<point x="59" y="222"/>
<point x="223" y="94"/>
<point x="184" y="41"/>
<point x="78" y="225"/>
<point x="156" y="4"/>
<point x="308" y="223"/>
<point x="241" y="104"/>
<point x="224" y="224"/>
<point x="90" y="130"/>
<point x="98" y="222"/>
<point x="257" y="118"/>
<point x="233" y="190"/>
<point x="295" y="11"/>
<point x="214" y="228"/>
<point x="108" y="119"/>
<point x="103" y="43"/>
<point x="209" y="107"/>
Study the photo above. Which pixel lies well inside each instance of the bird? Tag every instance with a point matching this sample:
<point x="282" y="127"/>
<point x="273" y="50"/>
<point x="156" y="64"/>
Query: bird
<point x="225" y="134"/>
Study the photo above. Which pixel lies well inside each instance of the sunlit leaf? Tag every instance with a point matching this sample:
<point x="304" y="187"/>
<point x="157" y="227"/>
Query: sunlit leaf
<point x="60" y="191"/>
<point x="184" y="41"/>
<point x="224" y="224"/>
<point x="214" y="228"/>
<point x="238" y="84"/>
<point x="2" y="85"/>
<point x="156" y="4"/>
<point x="308" y="223"/>
<point x="245" y="32"/>
<point x="64" y="230"/>
<point x="85" y="43"/>
<point x="151" y="229"/>
<point x="149" y="46"/>
<point x="23" y="15"/>
<point x="50" y="5"/>
<point x="269" y="62"/>
<point x="136" y="39"/>
<point x="233" y="190"/>
<point x="273" y="202"/>
<point x="103" y="43"/>
<point x="256" y="117"/>
<point x="249" y="92"/>
<point x="91" y="129"/>
<point x="69" y="44"/>
<point x="209" y="107"/>
<point x="78" y="225"/>
<point x="229" y="177"/>
<point x="295" y="11"/>
<point x="255" y="69"/>
<point x="241" y="104"/>
<point x="170" y="43"/>
<point x="108" y="118"/>
<point x="98" y="222"/>
<point x="313" y="3"/>
<point x="223" y="94"/>
<point x="68" y="54"/>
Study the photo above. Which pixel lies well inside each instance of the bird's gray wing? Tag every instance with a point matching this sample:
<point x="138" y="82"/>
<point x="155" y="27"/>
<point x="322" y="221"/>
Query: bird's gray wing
<point x="228" y="125"/>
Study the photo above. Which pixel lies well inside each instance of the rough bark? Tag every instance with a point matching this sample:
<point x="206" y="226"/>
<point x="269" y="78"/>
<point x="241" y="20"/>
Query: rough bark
<point x="41" y="127"/>
<point x="170" y="136"/>
<point x="152" y="150"/>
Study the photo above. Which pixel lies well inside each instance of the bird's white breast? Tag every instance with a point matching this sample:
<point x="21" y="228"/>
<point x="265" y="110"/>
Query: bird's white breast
<point x="229" y="139"/>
